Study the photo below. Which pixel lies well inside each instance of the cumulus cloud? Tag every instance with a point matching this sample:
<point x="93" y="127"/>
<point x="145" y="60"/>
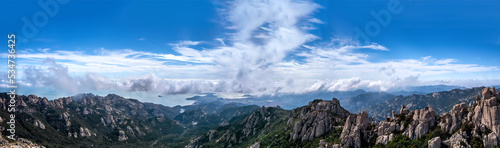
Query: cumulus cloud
<point x="268" y="50"/>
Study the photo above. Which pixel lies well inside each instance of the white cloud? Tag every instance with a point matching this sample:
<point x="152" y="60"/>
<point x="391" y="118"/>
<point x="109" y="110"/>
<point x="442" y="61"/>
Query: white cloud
<point x="255" y="59"/>
<point x="315" y="20"/>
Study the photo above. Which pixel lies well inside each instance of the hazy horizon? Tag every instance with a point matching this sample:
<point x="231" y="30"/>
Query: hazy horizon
<point x="179" y="50"/>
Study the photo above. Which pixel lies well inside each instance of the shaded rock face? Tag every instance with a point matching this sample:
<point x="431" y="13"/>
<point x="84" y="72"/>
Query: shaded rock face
<point x="355" y="131"/>
<point x="452" y="121"/>
<point x="252" y="121"/>
<point x="318" y="118"/>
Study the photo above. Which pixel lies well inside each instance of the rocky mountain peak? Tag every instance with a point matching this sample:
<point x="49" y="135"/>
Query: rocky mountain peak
<point x="317" y="118"/>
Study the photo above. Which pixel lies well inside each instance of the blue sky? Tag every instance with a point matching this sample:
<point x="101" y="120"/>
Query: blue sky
<point x="254" y="47"/>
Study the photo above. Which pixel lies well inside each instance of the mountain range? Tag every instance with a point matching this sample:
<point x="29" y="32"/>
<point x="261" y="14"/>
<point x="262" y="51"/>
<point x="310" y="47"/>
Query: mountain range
<point x="458" y="117"/>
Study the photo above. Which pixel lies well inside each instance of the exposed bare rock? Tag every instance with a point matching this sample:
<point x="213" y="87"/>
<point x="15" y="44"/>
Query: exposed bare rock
<point x="457" y="140"/>
<point x="18" y="143"/>
<point x="487" y="111"/>
<point x="59" y="103"/>
<point x="355" y="130"/>
<point x="404" y="110"/>
<point x="195" y="143"/>
<point x="387" y="127"/>
<point x="317" y="118"/>
<point x="122" y="136"/>
<point x="39" y="124"/>
<point x="85" y="132"/>
<point x="211" y="136"/>
<point x="452" y="121"/>
<point x="86" y="111"/>
<point x="130" y="130"/>
<point x="384" y="139"/>
<point x="434" y="142"/>
<point x="255" y="145"/>
<point x="66" y="119"/>
<point x="490" y="140"/>
<point x="423" y="121"/>
<point x="251" y="122"/>
<point x="109" y="120"/>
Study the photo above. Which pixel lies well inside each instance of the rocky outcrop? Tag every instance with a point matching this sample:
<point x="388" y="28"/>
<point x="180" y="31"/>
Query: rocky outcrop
<point x="384" y="139"/>
<point x="85" y="132"/>
<point x="122" y="136"/>
<point x="412" y="124"/>
<point x="441" y="102"/>
<point x="423" y="121"/>
<point x="317" y="118"/>
<point x="18" y="143"/>
<point x="434" y="142"/>
<point x="230" y="135"/>
<point x="463" y="123"/>
<point x="58" y="122"/>
<point x="65" y="117"/>
<point x="39" y="124"/>
<point x="485" y="116"/>
<point x="252" y="121"/>
<point x="457" y="140"/>
<point x="452" y="121"/>
<point x="355" y="130"/>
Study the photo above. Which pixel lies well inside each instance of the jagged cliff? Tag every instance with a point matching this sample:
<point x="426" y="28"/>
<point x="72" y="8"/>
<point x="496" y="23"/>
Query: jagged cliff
<point x="89" y="120"/>
<point x="326" y="124"/>
<point x="271" y="126"/>
<point x="463" y="126"/>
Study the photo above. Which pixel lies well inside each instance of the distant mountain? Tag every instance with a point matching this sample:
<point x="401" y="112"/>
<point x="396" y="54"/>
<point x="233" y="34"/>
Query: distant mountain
<point x="213" y="113"/>
<point x="441" y="101"/>
<point x="286" y="101"/>
<point x="455" y="118"/>
<point x="291" y="100"/>
<point x="357" y="103"/>
<point x="112" y="121"/>
<point x="326" y="124"/>
<point x="276" y="127"/>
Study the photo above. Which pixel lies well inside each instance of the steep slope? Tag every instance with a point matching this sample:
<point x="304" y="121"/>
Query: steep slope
<point x="271" y="126"/>
<point x="474" y="126"/>
<point x="213" y="113"/>
<point x="326" y="124"/>
<point x="89" y="120"/>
